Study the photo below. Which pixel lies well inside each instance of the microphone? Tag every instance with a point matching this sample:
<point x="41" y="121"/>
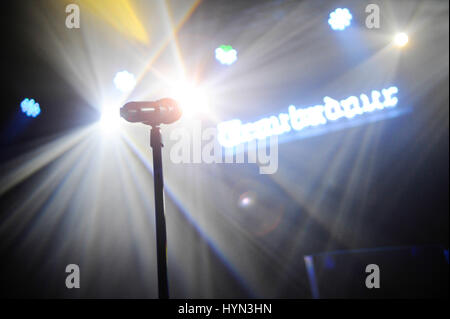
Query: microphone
<point x="163" y="111"/>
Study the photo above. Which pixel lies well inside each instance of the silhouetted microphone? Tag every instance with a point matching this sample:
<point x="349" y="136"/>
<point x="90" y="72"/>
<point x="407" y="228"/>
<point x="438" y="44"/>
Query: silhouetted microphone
<point x="163" y="111"/>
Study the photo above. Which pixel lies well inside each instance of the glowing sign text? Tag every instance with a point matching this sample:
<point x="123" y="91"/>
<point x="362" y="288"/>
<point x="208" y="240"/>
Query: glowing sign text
<point x="234" y="132"/>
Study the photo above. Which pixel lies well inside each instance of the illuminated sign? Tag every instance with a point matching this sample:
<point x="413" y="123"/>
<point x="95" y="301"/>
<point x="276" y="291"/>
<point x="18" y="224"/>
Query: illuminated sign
<point x="234" y="132"/>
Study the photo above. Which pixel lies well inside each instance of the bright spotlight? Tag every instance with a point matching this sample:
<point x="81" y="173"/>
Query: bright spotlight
<point x="340" y="19"/>
<point x="246" y="199"/>
<point x="225" y="54"/>
<point x="124" y="81"/>
<point x="401" y="39"/>
<point x="192" y="100"/>
<point x="110" y="119"/>
<point x="30" y="107"/>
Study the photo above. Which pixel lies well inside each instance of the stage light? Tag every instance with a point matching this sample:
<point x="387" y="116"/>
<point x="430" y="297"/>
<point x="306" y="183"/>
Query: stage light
<point x="340" y="19"/>
<point x="246" y="199"/>
<point x="110" y="119"/>
<point x="225" y="54"/>
<point x="30" y="107"/>
<point x="192" y="99"/>
<point x="401" y="39"/>
<point x="124" y="81"/>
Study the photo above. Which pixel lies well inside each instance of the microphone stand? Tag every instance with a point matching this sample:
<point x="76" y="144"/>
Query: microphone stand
<point x="163" y="111"/>
<point x="160" y="221"/>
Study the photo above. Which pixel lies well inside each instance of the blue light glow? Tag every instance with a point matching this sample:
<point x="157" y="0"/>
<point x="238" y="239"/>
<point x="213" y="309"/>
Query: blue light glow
<point x="30" y="107"/>
<point x="233" y="132"/>
<point x="340" y="19"/>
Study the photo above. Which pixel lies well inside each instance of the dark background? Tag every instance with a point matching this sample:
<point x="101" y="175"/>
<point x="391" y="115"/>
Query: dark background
<point x="406" y="201"/>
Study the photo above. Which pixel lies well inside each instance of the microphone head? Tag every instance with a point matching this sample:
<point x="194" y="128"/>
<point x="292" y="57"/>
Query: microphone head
<point x="163" y="111"/>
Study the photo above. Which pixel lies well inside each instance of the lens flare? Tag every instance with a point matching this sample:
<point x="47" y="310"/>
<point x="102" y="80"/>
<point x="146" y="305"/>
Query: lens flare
<point x="192" y="99"/>
<point x="110" y="119"/>
<point x="401" y="39"/>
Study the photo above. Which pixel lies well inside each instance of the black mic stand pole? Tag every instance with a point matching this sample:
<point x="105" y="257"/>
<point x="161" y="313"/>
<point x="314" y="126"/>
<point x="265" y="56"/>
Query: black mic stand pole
<point x="160" y="221"/>
<point x="163" y="111"/>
